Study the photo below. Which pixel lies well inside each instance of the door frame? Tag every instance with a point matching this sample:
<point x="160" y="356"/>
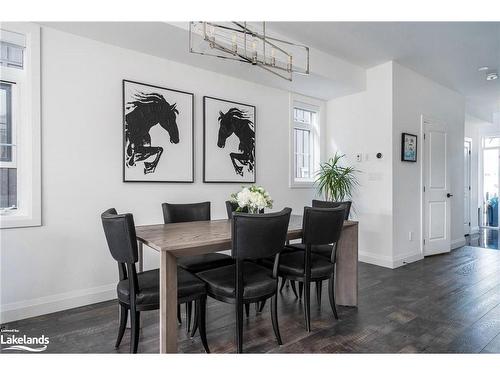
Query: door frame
<point x="431" y="120"/>
<point x="469" y="181"/>
<point x="480" y="188"/>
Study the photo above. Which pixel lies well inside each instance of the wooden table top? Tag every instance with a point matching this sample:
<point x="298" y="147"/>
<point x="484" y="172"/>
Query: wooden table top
<point x="201" y="237"/>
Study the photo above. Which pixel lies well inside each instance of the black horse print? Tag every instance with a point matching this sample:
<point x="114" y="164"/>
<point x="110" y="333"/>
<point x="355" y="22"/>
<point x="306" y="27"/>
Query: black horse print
<point x="148" y="110"/>
<point x="237" y="122"/>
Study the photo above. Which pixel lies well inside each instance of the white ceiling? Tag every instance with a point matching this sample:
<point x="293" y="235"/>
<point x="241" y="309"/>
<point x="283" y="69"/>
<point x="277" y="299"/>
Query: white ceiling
<point x="447" y="52"/>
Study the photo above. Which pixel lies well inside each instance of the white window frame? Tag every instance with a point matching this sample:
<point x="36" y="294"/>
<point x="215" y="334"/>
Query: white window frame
<point x="27" y="124"/>
<point x="313" y="105"/>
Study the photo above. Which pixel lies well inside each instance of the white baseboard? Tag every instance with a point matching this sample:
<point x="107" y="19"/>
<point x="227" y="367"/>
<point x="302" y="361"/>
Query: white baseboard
<point x="459" y="242"/>
<point x="387" y="261"/>
<point x="45" y="305"/>
<point x="375" y="259"/>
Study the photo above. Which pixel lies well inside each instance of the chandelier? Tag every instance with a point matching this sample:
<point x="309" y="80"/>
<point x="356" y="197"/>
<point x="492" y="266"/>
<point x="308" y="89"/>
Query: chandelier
<point x="249" y="43"/>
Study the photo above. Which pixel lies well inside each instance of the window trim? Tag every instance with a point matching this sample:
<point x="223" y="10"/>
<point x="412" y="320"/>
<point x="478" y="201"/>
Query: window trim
<point x="28" y="128"/>
<point x="314" y="105"/>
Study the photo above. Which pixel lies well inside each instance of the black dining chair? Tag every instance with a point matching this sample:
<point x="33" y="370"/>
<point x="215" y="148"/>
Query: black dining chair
<point x="254" y="237"/>
<point x="321" y="250"/>
<point x="140" y="291"/>
<point x="328" y="204"/>
<point x="321" y="229"/>
<point x="231" y="207"/>
<point x="188" y="212"/>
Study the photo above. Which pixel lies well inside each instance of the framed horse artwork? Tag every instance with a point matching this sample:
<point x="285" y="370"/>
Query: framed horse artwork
<point x="158" y="127"/>
<point x="228" y="141"/>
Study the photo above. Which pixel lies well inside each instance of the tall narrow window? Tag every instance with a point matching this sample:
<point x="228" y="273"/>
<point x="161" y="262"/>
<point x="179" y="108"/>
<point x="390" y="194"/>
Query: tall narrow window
<point x="305" y="145"/>
<point x="20" y="162"/>
<point x="8" y="169"/>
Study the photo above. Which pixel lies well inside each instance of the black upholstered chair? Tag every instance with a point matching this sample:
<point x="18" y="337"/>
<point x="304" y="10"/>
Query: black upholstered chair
<point x="180" y="213"/>
<point x="321" y="228"/>
<point x="140" y="291"/>
<point x="327" y="204"/>
<point x="231" y="207"/>
<point x="254" y="237"/>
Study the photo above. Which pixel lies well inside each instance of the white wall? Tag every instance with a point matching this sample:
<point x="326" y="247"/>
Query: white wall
<point x="362" y="123"/>
<point x="65" y="262"/>
<point x="414" y="96"/>
<point x="389" y="199"/>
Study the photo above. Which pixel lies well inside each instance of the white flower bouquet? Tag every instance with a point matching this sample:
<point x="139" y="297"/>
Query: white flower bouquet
<point x="252" y="199"/>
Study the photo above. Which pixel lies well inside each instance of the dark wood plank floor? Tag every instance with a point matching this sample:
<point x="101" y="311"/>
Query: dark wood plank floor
<point x="446" y="303"/>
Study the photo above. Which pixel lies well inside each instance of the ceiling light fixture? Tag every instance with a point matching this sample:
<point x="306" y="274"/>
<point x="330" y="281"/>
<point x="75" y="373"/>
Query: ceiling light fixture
<point x="250" y="44"/>
<point x="483" y="68"/>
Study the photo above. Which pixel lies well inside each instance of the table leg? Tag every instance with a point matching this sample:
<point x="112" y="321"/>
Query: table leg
<point x="168" y="303"/>
<point x="346" y="273"/>
<point x="140" y="255"/>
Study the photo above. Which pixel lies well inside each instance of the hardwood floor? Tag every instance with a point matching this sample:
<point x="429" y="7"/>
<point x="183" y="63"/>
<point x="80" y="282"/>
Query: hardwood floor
<point x="445" y="303"/>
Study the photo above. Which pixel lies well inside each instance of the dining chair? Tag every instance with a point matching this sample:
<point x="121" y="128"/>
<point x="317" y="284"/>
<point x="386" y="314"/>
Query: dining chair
<point x="188" y="212"/>
<point x="321" y="250"/>
<point x="328" y="204"/>
<point x="254" y="237"/>
<point x="231" y="207"/>
<point x="321" y="229"/>
<point x="140" y="291"/>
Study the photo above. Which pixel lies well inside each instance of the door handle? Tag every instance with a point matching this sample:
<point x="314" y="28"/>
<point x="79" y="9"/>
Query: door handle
<point x="449" y="195"/>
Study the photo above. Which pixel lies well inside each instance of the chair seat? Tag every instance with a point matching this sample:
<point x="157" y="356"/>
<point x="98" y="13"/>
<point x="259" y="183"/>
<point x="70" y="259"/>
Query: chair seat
<point x="292" y="263"/>
<point x="149" y="286"/>
<point x="257" y="281"/>
<point x="199" y="263"/>
<point x="323" y="250"/>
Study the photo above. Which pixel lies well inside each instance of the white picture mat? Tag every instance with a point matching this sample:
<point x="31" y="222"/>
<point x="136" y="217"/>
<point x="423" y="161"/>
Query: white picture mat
<point x="176" y="162"/>
<point x="218" y="166"/>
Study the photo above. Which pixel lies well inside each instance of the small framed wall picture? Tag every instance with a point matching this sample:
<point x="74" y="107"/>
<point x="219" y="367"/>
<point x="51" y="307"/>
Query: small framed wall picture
<point x="408" y="147"/>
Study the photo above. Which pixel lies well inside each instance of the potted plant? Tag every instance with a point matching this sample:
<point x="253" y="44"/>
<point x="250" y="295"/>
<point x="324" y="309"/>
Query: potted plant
<point x="252" y="199"/>
<point x="335" y="181"/>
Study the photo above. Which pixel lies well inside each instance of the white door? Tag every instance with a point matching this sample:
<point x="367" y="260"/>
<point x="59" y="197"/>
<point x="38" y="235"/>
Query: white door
<point x="467" y="185"/>
<point x="437" y="197"/>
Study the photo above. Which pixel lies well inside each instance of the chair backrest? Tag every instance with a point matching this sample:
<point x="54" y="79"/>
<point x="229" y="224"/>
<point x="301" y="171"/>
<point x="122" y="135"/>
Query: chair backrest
<point x="180" y="213"/>
<point x="328" y="204"/>
<point x="120" y="235"/>
<point x="257" y="236"/>
<point x="322" y="226"/>
<point x="231" y="208"/>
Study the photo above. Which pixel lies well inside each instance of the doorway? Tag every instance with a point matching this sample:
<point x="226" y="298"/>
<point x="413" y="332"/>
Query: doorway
<point x="490" y="181"/>
<point x="436" y="197"/>
<point x="467" y="185"/>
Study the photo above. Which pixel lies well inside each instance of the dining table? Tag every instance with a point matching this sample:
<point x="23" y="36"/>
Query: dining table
<point x="177" y="240"/>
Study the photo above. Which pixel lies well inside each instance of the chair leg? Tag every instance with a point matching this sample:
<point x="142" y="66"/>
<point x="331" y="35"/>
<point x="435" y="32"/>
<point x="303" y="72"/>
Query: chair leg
<point x="274" y="318"/>
<point x="189" y="309"/>
<point x="135" y="321"/>
<point x="201" y="307"/>
<point x="262" y="304"/>
<point x="283" y="282"/>
<point x="307" y="305"/>
<point x="331" y="294"/>
<point x="239" y="327"/>
<point x="247" y="309"/>
<point x="196" y="317"/>
<point x="292" y="283"/>
<point x="319" y="289"/>
<point x="301" y="287"/>
<point x="123" y="324"/>
<point x="179" y="319"/>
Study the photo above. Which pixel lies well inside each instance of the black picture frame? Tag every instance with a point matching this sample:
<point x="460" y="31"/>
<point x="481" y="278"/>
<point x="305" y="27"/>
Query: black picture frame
<point x="228" y="180"/>
<point x="124" y="140"/>
<point x="409" y="147"/>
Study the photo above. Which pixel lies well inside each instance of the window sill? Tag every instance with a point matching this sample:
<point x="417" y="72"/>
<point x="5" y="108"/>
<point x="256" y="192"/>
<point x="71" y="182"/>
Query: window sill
<point x="301" y="185"/>
<point x="18" y="220"/>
